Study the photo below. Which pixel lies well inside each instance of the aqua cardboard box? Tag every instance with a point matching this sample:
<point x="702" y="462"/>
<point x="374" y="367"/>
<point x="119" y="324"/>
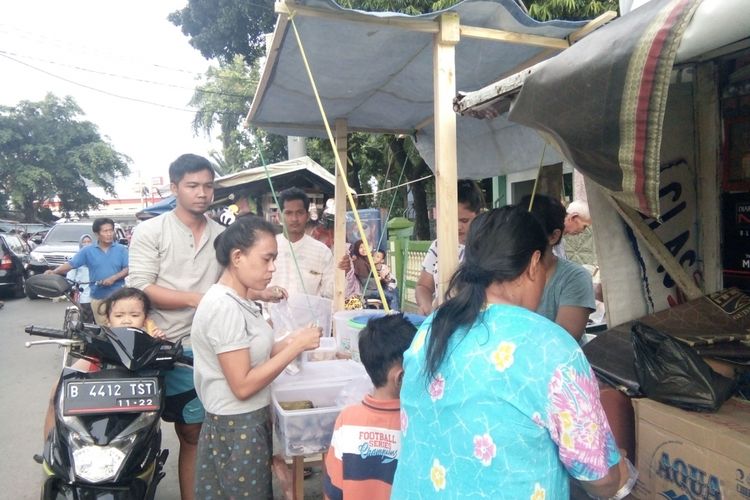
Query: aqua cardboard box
<point x="689" y="455"/>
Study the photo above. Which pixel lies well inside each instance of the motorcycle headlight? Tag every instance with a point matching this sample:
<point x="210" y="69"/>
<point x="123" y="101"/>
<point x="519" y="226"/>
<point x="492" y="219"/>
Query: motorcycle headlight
<point x="37" y="259"/>
<point x="97" y="463"/>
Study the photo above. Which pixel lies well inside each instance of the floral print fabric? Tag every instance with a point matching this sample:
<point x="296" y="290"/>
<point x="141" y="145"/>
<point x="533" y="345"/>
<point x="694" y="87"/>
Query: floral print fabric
<point x="513" y="410"/>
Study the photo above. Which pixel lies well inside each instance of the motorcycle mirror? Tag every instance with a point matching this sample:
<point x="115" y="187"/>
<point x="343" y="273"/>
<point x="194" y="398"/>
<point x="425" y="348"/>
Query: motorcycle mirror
<point x="48" y="285"/>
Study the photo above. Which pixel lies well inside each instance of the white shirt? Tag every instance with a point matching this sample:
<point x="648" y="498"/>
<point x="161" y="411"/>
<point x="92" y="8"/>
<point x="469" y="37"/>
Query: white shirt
<point x="226" y="322"/>
<point x="315" y="262"/>
<point x="430" y="262"/>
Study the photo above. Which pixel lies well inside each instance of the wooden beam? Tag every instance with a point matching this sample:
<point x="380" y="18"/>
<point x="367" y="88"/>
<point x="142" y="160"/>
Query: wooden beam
<point x="707" y="134"/>
<point x="465" y="103"/>
<point x="318" y="130"/>
<point x="288" y="7"/>
<point x="510" y="37"/>
<point x="427" y="121"/>
<point x="446" y="176"/>
<point x="592" y="26"/>
<point x="339" y="230"/>
<point x="486" y="96"/>
<point x="657" y="249"/>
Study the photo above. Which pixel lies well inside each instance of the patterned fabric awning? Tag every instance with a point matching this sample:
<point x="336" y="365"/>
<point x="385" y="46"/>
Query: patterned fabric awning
<point x="603" y="99"/>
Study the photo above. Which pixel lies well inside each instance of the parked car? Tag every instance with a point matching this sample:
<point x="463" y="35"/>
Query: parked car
<point x="60" y="244"/>
<point x="7" y="226"/>
<point x="14" y="263"/>
<point x="22" y="227"/>
<point x="32" y="227"/>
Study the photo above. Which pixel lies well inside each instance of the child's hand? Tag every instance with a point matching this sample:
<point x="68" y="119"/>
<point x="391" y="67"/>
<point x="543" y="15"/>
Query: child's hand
<point x="157" y="333"/>
<point x="153" y="330"/>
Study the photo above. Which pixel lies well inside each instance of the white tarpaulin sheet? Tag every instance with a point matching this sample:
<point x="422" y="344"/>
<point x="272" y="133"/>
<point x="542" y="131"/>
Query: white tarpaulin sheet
<point x="379" y="77"/>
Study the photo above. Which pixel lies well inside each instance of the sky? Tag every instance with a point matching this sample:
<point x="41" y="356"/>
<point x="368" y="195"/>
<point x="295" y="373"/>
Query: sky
<point x="129" y="69"/>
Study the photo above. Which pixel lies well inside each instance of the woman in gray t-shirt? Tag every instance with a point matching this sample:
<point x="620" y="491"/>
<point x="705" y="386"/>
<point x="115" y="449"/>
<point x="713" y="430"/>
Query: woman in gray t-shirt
<point x="235" y="361"/>
<point x="568" y="297"/>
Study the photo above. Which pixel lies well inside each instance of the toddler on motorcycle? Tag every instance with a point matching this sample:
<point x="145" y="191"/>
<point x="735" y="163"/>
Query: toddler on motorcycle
<point x="127" y="307"/>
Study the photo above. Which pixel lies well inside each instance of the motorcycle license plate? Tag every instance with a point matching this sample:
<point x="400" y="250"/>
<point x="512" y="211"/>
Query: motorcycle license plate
<point x="84" y="397"/>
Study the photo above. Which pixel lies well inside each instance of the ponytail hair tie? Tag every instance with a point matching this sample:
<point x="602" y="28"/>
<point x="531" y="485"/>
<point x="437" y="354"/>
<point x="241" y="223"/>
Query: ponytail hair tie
<point x="474" y="274"/>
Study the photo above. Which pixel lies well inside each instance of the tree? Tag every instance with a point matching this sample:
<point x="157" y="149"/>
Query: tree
<point x="47" y="151"/>
<point x="572" y="10"/>
<point x="223" y="101"/>
<point x="223" y="29"/>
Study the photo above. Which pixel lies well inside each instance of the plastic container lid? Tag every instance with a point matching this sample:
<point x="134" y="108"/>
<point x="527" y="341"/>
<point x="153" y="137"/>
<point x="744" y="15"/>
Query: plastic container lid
<point x="359" y="322"/>
<point x="322" y="372"/>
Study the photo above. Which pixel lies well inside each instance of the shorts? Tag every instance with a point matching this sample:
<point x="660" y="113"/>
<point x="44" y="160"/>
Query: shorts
<point x="182" y="405"/>
<point x="234" y="456"/>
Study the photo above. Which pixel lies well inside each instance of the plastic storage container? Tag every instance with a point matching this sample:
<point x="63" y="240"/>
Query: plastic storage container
<point x="307" y="431"/>
<point x="326" y="351"/>
<point x="337" y="370"/>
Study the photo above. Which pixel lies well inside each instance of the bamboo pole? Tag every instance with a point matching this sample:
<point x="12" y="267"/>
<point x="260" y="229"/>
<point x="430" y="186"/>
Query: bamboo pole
<point x="446" y="162"/>
<point x="339" y="232"/>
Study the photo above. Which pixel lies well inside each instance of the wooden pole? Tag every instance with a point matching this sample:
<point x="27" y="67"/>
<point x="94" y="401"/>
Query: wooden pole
<point x="707" y="133"/>
<point x="339" y="232"/>
<point x="446" y="177"/>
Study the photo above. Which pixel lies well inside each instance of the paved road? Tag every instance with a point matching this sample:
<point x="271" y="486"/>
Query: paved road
<point x="27" y="376"/>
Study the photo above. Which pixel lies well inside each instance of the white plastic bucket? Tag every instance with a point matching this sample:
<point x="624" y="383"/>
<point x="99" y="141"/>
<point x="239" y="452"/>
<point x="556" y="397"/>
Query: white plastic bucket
<point x="347" y="336"/>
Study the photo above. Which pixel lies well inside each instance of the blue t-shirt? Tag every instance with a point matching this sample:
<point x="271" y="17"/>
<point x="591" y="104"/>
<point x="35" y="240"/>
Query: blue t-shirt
<point x="101" y="266"/>
<point x="513" y="410"/>
<point x="570" y="285"/>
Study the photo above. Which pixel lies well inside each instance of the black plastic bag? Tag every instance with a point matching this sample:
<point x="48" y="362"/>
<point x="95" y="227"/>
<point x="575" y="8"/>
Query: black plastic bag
<point x="670" y="371"/>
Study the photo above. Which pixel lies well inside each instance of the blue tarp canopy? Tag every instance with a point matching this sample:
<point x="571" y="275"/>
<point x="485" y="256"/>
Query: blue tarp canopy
<point x="158" y="208"/>
<point x="376" y="71"/>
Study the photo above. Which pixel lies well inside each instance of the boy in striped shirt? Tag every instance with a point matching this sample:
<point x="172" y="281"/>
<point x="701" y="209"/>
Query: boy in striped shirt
<point x="362" y="459"/>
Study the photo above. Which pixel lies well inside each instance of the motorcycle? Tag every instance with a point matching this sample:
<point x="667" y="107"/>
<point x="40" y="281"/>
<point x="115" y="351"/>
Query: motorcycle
<point x="106" y="439"/>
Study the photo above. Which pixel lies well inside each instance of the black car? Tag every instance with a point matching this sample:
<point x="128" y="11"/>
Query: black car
<point x="14" y="264"/>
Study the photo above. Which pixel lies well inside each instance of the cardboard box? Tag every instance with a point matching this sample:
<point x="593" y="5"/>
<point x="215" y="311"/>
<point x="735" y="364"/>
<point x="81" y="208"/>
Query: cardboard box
<point x="688" y="455"/>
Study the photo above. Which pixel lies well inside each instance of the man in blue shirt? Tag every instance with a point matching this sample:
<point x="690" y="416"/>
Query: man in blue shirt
<point x="107" y="262"/>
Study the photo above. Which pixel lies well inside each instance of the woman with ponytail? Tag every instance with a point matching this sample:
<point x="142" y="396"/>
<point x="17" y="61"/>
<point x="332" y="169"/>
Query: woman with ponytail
<point x="236" y="359"/>
<point x="497" y="401"/>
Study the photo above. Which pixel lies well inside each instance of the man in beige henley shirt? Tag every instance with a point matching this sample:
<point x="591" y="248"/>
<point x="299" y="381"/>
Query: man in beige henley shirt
<point x="172" y="259"/>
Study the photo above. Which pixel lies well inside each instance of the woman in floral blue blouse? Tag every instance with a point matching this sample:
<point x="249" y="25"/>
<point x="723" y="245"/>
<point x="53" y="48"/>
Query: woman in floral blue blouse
<point x="497" y="401"/>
